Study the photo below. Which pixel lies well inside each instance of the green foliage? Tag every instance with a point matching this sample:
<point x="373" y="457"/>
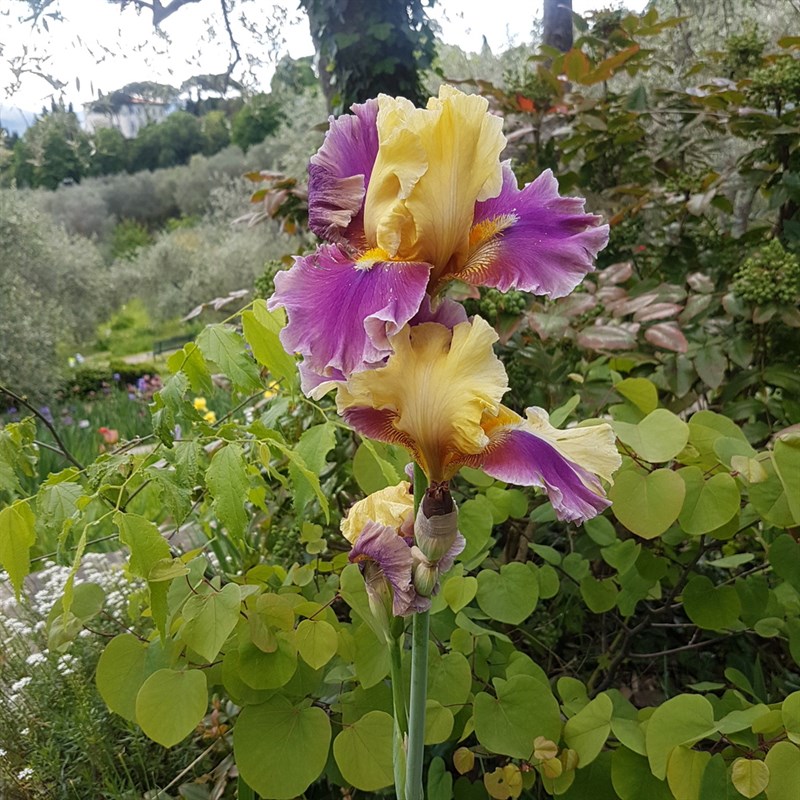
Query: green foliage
<point x="258" y="118"/>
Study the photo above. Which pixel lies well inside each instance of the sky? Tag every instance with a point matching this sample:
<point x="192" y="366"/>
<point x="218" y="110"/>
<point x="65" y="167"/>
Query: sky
<point x="98" y="48"/>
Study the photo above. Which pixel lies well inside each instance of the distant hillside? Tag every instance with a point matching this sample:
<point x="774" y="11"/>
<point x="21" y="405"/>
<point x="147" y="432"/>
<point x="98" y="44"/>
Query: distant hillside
<point x="16" y="120"/>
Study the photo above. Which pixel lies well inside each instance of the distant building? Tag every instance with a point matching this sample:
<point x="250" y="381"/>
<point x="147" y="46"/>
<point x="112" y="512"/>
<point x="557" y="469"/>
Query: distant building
<point x="125" y="113"/>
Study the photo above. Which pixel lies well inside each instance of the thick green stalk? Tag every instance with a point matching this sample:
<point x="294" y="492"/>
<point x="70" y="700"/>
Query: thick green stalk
<point x="419" y="679"/>
<point x="400" y="717"/>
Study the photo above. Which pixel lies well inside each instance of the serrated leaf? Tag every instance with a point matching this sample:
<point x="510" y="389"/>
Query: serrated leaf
<point x="226" y="348"/>
<point x="261" y="328"/>
<point x="190" y="361"/>
<point x="17" y="536"/>
<point x="305" y="477"/>
<point x="142" y="537"/>
<point x="313" y="449"/>
<point x="228" y="484"/>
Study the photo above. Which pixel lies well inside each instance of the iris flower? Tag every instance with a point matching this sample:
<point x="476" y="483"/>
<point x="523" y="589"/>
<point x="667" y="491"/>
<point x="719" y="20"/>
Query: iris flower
<point x="381" y="529"/>
<point x="438" y="396"/>
<point x="408" y="199"/>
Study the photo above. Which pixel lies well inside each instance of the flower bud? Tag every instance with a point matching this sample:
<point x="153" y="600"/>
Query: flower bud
<point x="426" y="574"/>
<point x="379" y="595"/>
<point x="436" y="524"/>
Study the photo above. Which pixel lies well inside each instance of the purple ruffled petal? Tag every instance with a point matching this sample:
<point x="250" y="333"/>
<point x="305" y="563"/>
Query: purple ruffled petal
<point x="315" y="385"/>
<point x="392" y="554"/>
<point x="448" y="313"/>
<point x="519" y="457"/>
<point x="533" y="239"/>
<point x="339" y="174"/>
<point x="341" y="315"/>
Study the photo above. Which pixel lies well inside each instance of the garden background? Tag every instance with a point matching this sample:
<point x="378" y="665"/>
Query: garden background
<point x="178" y="615"/>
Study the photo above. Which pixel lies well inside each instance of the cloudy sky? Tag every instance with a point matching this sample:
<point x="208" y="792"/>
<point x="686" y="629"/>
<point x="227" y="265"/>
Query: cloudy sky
<point x="98" y="48"/>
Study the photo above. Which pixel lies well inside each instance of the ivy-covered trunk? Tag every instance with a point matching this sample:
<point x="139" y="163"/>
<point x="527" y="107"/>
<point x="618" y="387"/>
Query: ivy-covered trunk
<point x="366" y="48"/>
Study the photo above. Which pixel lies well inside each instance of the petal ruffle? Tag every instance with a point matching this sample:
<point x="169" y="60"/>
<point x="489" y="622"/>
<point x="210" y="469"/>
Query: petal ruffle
<point x="433" y="164"/>
<point x="533" y="453"/>
<point x="341" y="314"/>
<point x="390" y="506"/>
<point x="385" y="547"/>
<point x="339" y="173"/>
<point x="532" y="239"/>
<point x="431" y="395"/>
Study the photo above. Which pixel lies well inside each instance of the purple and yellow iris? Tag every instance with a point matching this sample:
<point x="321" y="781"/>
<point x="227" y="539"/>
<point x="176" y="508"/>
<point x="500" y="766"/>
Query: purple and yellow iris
<point x="438" y="395"/>
<point x="408" y="199"/>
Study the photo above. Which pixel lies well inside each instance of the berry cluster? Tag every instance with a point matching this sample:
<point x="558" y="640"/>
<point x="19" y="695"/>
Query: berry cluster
<point x="493" y="304"/>
<point x="770" y="276"/>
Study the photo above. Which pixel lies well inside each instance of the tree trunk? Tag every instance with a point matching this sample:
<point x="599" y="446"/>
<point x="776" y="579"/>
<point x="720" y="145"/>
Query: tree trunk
<point x="558" y="24"/>
<point x="365" y="47"/>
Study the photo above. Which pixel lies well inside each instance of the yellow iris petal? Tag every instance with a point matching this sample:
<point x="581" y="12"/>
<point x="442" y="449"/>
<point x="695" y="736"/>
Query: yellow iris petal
<point x="390" y="506"/>
<point x="591" y="447"/>
<point x="437" y="386"/>
<point x="433" y="164"/>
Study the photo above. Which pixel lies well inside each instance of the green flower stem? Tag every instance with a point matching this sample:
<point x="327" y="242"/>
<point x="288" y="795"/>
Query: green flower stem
<point x="400" y="717"/>
<point x="419" y="678"/>
<point x="419" y="691"/>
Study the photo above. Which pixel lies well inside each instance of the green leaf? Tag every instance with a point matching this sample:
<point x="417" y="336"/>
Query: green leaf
<point x="640" y="391"/>
<point x="749" y="776"/>
<point x="146" y="544"/>
<point x="17" y="536"/>
<point x="171" y="703"/>
<point x="475" y="522"/>
<point x="261" y="330"/>
<point x="685" y="772"/>
<point x="560" y="415"/>
<point x="440" y="781"/>
<point x="523" y="709"/>
<point x="660" y="436"/>
<point x="364" y="752"/>
<point x="459" y="591"/>
<point x="594" y="782"/>
<point x="715" y="784"/>
<point x="190" y="361"/>
<point x="260" y="670"/>
<point x="280" y="748"/>
<point x="317" y="642"/>
<point x="121" y="670"/>
<point x="307" y="479"/>
<point x="224" y="347"/>
<point x="647" y="504"/>
<point x="449" y="679"/>
<point x="784" y="556"/>
<point x="168" y="402"/>
<point x="510" y="595"/>
<point x="783" y="762"/>
<point x="228" y="483"/>
<point x="438" y="722"/>
<point x="705" y="427"/>
<point x="313" y="449"/>
<point x="632" y="779"/>
<point x="708" y="503"/>
<point x="714" y="608"/>
<point x="210" y="619"/>
<point x="786" y="457"/>
<point x="790" y="716"/>
<point x="599" y="595"/>
<point x="587" y="731"/>
<point x="371" y="658"/>
<point x="56" y="503"/>
<point x="374" y="466"/>
<point x="681" y="720"/>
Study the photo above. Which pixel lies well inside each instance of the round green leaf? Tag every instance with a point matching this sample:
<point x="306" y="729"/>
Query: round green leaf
<point x="364" y="752"/>
<point x="599" y="596"/>
<point x="790" y="715"/>
<point x="783" y="762"/>
<point x="210" y="619"/>
<point x="523" y="709"/>
<point x="120" y="673"/>
<point x="449" y="679"/>
<point x="261" y="670"/>
<point x="316" y="642"/>
<point x="438" y="722"/>
<point x="711" y="607"/>
<point x="459" y="591"/>
<point x="632" y="779"/>
<point x="647" y="504"/>
<point x="587" y="731"/>
<point x="682" y="720"/>
<point x="281" y="749"/>
<point x="709" y="503"/>
<point x="749" y="776"/>
<point x="475" y="522"/>
<point x="510" y="595"/>
<point x="171" y="703"/>
<point x="549" y="582"/>
<point x="640" y="391"/>
<point x="685" y="772"/>
<point x="659" y="437"/>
